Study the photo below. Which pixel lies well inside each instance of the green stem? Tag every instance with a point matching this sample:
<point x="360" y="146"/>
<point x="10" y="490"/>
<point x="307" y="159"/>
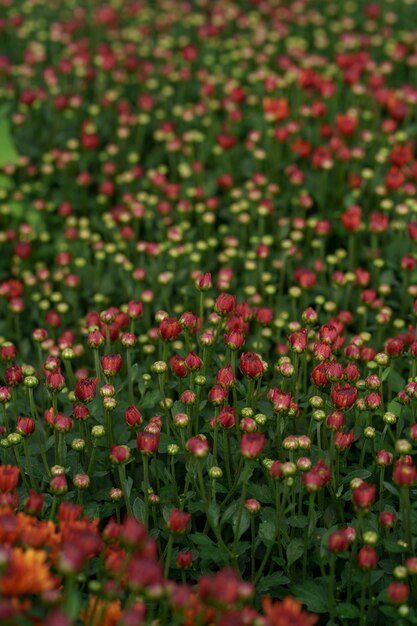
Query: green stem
<point x="240" y="511"/>
<point x="29" y="464"/>
<point x="123" y="483"/>
<point x="129" y="376"/>
<point x="93" y="453"/>
<point x="21" y="468"/>
<point x="332" y="599"/>
<point x="146" y="488"/>
<point x="168" y="555"/>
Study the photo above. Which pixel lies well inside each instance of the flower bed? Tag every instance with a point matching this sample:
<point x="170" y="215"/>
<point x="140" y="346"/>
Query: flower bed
<point x="208" y="286"/>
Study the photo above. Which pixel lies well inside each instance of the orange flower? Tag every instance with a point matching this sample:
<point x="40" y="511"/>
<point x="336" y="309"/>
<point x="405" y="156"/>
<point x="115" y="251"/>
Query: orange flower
<point x="35" y="533"/>
<point x="27" y="574"/>
<point x="287" y="613"/>
<point x="105" y="614"/>
<point x="9" y="477"/>
<point x="276" y="107"/>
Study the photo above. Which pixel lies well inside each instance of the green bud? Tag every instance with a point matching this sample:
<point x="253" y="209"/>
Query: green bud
<point x="215" y="472"/>
<point x="98" y="431"/>
<point x="31" y="382"/>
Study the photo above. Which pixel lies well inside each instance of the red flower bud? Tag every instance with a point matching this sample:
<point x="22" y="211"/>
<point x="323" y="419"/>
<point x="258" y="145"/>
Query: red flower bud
<point x="338" y="541"/>
<point x="405" y="473"/>
<point x="120" y="454"/>
<point x="387" y="519"/>
<point x="80" y="412"/>
<point x="13" y="375"/>
<point x="251" y="365"/>
<point x="225" y="304"/>
<point x="217" y="395"/>
<point x="133" y="417"/>
<point x="184" y="560"/>
<point x="193" y="362"/>
<point x="343" y="396"/>
<point x="252" y="444"/>
<point x="342" y="441"/>
<point x="363" y="496"/>
<point x="148" y="442"/>
<point x="178" y="520"/>
<point x="34" y="503"/>
<point x="169" y="329"/>
<point x="135" y="309"/>
<point x="9" y="478"/>
<point x="178" y="367"/>
<point x="59" y="485"/>
<point x="398" y="592"/>
<point x="85" y="390"/>
<point x="25" y="426"/>
<point x="111" y="364"/>
<point x="367" y="558"/>
<point x="198" y="446"/>
<point x="225" y="377"/>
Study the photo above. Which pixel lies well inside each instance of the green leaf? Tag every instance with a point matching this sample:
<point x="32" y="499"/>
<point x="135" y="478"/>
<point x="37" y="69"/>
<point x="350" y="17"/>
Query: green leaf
<point x="298" y="521"/>
<point x="138" y="509"/>
<point x="313" y="594"/>
<point x="359" y="473"/>
<point x="393" y="547"/>
<point x="244" y="523"/>
<point x="385" y="374"/>
<point x="202" y="540"/>
<point x="394" y="407"/>
<point x="295" y="550"/>
<point x="267" y="533"/>
<point x="390" y="487"/>
<point x="213" y="514"/>
<point x="272" y="582"/>
<point x="229" y="512"/>
<point x="262" y="493"/>
<point x="347" y="610"/>
<point x="8" y="152"/>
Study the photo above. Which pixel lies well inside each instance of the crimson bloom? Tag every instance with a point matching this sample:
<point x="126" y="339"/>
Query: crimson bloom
<point x="148" y="442"/>
<point x="252" y="444"/>
<point x="343" y="396"/>
<point x="287" y="612"/>
<point x="251" y="365"/>
<point x="363" y="496"/>
<point x="9" y="478"/>
<point x="111" y="364"/>
<point x="170" y="329"/>
<point x="178" y="520"/>
<point x="85" y="390"/>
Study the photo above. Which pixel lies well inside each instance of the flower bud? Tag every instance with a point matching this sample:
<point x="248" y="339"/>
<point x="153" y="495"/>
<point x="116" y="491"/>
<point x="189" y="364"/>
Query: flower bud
<point x="253" y="506"/>
<point x="215" y="472"/>
<point x="98" y="431"/>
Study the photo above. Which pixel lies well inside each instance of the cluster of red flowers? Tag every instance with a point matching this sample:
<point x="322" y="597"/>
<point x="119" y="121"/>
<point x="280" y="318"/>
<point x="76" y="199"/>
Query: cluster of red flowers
<point x="209" y="287"/>
<point x="39" y="558"/>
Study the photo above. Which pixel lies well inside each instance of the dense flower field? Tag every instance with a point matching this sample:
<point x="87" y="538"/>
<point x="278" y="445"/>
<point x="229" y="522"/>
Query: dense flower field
<point x="208" y="297"/>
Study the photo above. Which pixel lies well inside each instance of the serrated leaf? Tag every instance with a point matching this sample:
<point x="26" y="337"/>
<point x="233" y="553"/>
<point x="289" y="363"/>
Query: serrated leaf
<point x="390" y="487"/>
<point x="267" y="533"/>
<point x="229" y="512"/>
<point x="243" y="525"/>
<point x="213" y="514"/>
<point x="295" y="550"/>
<point x="394" y="407"/>
<point x="202" y="540"/>
<point x="272" y="582"/>
<point x="313" y="594"/>
<point x="262" y="493"/>
<point x="298" y="521"/>
<point x="138" y="509"/>
<point x="359" y="473"/>
<point x="347" y="610"/>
